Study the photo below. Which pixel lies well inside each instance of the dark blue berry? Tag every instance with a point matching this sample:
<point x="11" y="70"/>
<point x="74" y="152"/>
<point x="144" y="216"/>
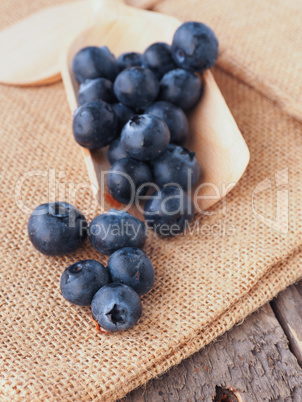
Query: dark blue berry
<point x="136" y="87"/>
<point x="81" y="280"/>
<point x="176" y="165"/>
<point x="94" y="62"/>
<point x="57" y="228"/>
<point x="99" y="88"/>
<point x="116" y="151"/>
<point x="144" y="137"/>
<point x="94" y="124"/>
<point x="116" y="307"/>
<point x="195" y="46"/>
<point x="123" y="114"/>
<point x="181" y="87"/>
<point x="129" y="59"/>
<point x="126" y="179"/>
<point x="169" y="211"/>
<point x="132" y="267"/>
<point x="175" y="119"/>
<point x="116" y="229"/>
<point x="159" y="59"/>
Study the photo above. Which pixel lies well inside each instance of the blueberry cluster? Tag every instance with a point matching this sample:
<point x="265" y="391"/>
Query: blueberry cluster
<point x="137" y="105"/>
<point x="113" y="292"/>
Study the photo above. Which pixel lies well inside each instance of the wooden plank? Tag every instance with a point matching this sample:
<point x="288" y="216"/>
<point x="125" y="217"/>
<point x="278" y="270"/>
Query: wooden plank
<point x="252" y="360"/>
<point x="299" y="287"/>
<point x="288" y="310"/>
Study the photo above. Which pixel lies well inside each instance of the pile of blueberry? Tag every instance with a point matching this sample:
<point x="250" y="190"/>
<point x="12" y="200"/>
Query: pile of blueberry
<point x="136" y="104"/>
<point x="113" y="292"/>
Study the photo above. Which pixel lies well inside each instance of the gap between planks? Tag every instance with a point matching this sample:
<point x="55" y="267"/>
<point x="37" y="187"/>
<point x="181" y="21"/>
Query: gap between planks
<point x="253" y="360"/>
<point x="288" y="311"/>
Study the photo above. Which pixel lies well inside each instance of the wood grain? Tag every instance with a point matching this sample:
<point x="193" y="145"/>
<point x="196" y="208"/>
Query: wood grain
<point x="252" y="361"/>
<point x="299" y="287"/>
<point x="288" y="310"/>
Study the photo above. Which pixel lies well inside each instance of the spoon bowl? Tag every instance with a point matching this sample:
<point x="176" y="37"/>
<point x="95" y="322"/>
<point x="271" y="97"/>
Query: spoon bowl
<point x="214" y="136"/>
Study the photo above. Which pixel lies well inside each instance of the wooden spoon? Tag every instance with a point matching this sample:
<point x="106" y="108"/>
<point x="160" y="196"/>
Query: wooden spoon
<point x="220" y="148"/>
<point x="31" y="48"/>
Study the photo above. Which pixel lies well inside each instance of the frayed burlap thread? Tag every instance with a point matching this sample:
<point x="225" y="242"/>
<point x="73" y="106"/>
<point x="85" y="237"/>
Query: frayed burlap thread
<point x="205" y="281"/>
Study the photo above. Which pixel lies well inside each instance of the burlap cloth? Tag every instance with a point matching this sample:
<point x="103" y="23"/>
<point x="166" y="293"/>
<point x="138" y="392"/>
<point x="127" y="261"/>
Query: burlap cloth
<point x="205" y="282"/>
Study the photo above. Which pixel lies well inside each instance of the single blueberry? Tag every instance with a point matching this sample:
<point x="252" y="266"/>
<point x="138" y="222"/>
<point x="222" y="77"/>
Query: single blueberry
<point x="81" y="280"/>
<point x="99" y="88"/>
<point x="116" y="307"/>
<point x="136" y="87"/>
<point x="158" y="58"/>
<point x="181" y="87"/>
<point x="132" y="267"/>
<point x="129" y="59"/>
<point x="169" y="211"/>
<point x="123" y="114"/>
<point x="175" y="119"/>
<point x="94" y="124"/>
<point x="94" y="62"/>
<point x="116" y="151"/>
<point x="144" y="137"/>
<point x="195" y="46"/>
<point x="176" y="165"/>
<point x="116" y="229"/>
<point x="127" y="178"/>
<point x="57" y="228"/>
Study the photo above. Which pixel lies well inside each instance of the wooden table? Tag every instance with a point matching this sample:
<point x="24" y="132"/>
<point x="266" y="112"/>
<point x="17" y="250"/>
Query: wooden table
<point x="258" y="360"/>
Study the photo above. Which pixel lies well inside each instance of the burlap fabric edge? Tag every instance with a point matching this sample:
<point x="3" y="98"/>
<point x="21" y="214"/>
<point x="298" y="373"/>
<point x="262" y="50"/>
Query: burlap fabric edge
<point x="267" y="287"/>
<point x="275" y="279"/>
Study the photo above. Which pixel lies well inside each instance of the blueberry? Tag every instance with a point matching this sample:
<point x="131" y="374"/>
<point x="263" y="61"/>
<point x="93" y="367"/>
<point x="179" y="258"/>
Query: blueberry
<point x="169" y="211"/>
<point x="136" y="87"/>
<point x="116" y="229"/>
<point x="57" y="228"/>
<point x="176" y="165"/>
<point x="116" y="151"/>
<point x="159" y="59"/>
<point x="94" y="124"/>
<point x="195" y="46"/>
<point x="181" y="87"/>
<point x="129" y="59"/>
<point x="99" y="88"/>
<point x="81" y="280"/>
<point x="175" y="119"/>
<point x="116" y="307"/>
<point x="94" y="62"/>
<point x="126" y="179"/>
<point x="144" y="137"/>
<point x="132" y="267"/>
<point x="123" y="114"/>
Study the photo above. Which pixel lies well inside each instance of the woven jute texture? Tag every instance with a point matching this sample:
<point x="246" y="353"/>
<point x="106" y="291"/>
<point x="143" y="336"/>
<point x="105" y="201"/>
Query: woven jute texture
<point x="260" y="42"/>
<point x="231" y="263"/>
